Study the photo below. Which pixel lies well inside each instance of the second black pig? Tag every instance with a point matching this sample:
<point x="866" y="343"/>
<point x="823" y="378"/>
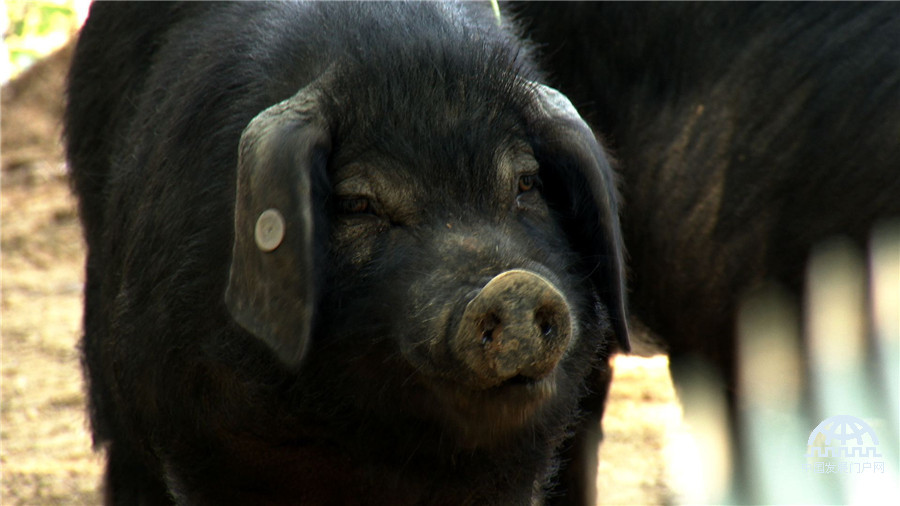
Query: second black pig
<point x="747" y="133"/>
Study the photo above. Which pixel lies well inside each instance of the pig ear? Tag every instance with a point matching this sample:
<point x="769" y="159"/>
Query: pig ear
<point x="579" y="178"/>
<point x="271" y="288"/>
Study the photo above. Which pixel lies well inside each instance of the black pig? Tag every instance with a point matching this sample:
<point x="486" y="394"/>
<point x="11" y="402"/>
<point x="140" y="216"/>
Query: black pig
<point x="337" y="254"/>
<point x="746" y="133"/>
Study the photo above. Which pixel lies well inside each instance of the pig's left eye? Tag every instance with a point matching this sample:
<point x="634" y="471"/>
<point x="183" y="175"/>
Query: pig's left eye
<point x="528" y="182"/>
<point x="355" y="205"/>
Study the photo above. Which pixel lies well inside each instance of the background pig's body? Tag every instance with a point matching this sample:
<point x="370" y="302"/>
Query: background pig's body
<point x="746" y="134"/>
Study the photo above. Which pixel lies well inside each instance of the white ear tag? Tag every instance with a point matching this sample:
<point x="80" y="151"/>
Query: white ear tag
<point x="269" y="230"/>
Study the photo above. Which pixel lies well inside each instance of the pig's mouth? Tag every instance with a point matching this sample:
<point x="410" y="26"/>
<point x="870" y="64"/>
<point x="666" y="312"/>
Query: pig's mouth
<point x="520" y="379"/>
<point x="488" y="416"/>
<point x="521" y="388"/>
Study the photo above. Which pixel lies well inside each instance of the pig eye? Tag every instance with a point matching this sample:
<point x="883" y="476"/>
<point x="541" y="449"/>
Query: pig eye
<point x="528" y="182"/>
<point x="355" y="205"/>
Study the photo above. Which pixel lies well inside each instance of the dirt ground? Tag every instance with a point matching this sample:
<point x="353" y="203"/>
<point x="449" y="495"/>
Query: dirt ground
<point x="46" y="455"/>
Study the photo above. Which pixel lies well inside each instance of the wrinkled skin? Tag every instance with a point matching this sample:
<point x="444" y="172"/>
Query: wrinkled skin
<point x="438" y="276"/>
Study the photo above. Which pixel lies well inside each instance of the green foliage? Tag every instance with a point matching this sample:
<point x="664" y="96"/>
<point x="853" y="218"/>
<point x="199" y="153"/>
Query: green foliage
<point x="36" y="28"/>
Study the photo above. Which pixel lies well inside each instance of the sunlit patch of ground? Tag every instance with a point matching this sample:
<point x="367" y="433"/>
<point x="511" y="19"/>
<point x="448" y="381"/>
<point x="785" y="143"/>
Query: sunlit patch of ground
<point x="640" y="417"/>
<point x="46" y="456"/>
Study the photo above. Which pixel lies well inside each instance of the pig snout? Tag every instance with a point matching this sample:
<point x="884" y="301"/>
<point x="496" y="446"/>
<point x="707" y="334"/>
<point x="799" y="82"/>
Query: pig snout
<point x="517" y="327"/>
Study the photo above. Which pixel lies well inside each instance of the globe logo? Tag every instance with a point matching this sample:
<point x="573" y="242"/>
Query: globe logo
<point x="848" y="442"/>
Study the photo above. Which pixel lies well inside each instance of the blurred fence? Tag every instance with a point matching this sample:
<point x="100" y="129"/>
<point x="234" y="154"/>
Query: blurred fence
<point x="818" y="391"/>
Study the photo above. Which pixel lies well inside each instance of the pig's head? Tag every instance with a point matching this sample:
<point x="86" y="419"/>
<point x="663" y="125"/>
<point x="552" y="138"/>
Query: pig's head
<point x="446" y="252"/>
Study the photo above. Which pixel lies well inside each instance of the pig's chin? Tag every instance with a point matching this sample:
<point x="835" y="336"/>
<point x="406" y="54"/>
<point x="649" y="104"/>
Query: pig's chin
<point x="491" y="416"/>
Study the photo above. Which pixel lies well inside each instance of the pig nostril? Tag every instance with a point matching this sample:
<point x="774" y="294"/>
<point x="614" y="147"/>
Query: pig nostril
<point x="543" y="318"/>
<point x="546" y="329"/>
<point x="488" y="326"/>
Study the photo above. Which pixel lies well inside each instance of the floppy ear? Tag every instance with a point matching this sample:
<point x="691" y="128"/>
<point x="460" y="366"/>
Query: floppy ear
<point x="582" y="178"/>
<point x="271" y="290"/>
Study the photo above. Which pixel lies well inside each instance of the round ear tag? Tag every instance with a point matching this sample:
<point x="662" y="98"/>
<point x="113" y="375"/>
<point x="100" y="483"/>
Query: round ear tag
<point x="269" y="230"/>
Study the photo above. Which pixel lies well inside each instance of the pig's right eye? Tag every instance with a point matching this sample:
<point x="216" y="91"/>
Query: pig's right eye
<point x="355" y="205"/>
